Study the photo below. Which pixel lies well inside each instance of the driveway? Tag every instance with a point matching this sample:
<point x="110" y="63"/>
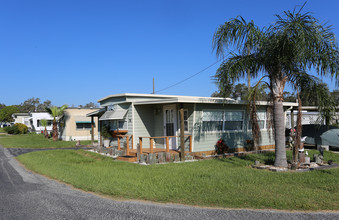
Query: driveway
<point x="25" y="195"/>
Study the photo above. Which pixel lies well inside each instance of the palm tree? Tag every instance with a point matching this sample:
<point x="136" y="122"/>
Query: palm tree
<point x="56" y="112"/>
<point x="284" y="52"/>
<point x="243" y="34"/>
<point x="43" y="122"/>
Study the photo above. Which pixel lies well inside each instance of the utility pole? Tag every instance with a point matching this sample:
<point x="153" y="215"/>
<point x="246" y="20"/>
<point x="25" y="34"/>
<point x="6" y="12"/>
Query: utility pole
<point x="153" y="86"/>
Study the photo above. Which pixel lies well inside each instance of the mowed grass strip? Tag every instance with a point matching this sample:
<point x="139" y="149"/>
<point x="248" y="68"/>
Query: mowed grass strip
<point x="35" y="141"/>
<point x="228" y="183"/>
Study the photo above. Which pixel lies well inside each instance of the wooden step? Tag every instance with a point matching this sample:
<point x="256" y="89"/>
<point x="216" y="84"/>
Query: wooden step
<point x="127" y="158"/>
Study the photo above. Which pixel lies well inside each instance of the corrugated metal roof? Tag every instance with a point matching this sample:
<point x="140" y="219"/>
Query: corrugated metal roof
<point x="113" y="115"/>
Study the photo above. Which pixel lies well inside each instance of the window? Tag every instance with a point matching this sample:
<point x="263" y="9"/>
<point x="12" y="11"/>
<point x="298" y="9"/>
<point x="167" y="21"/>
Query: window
<point x="49" y="123"/>
<point x="185" y="119"/>
<point x="262" y="121"/>
<point x="212" y="120"/>
<point x="233" y="120"/>
<point x="217" y="120"/>
<point x="118" y="124"/>
<point x="83" y="126"/>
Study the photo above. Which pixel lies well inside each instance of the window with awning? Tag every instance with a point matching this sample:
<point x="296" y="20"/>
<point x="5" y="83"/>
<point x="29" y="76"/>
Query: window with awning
<point x="118" y="114"/>
<point x="116" y="119"/>
<point x="83" y="123"/>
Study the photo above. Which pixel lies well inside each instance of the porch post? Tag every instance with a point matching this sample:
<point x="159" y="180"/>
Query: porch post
<point x="100" y="136"/>
<point x="140" y="145"/>
<point x="92" y="130"/>
<point x="127" y="145"/>
<point x="118" y="142"/>
<point x="167" y="144"/>
<point x="182" y="133"/>
<point x="151" y="145"/>
<point x="190" y="138"/>
<point x="132" y="139"/>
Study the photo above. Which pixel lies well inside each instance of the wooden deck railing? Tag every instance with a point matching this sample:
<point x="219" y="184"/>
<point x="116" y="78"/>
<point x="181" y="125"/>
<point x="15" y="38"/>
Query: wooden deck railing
<point x="127" y="142"/>
<point x="151" y="139"/>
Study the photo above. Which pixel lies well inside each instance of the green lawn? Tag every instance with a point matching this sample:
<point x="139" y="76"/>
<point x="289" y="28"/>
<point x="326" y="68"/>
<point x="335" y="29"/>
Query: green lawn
<point x="228" y="183"/>
<point x="35" y="141"/>
<point x="2" y="130"/>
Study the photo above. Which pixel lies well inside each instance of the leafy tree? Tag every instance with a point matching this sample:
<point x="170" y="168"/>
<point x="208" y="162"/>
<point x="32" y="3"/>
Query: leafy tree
<point x="335" y="96"/>
<point x="241" y="91"/>
<point x="225" y="90"/>
<point x="42" y="106"/>
<point x="29" y="105"/>
<point x="6" y="113"/>
<point x="283" y="53"/>
<point x="2" y="106"/>
<point x="56" y="112"/>
<point x="34" y="105"/>
<point x="91" y="105"/>
<point x="289" y="97"/>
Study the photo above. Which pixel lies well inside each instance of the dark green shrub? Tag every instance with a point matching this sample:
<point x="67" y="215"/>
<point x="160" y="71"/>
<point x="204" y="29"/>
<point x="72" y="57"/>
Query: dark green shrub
<point x="12" y="130"/>
<point x="17" y="128"/>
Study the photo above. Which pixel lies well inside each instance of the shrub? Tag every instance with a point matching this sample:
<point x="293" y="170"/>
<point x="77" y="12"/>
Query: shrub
<point x="17" y="128"/>
<point x="221" y="147"/>
<point x="12" y="130"/>
<point x="23" y="129"/>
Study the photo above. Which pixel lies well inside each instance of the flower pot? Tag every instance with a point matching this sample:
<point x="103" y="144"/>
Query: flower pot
<point x="106" y="142"/>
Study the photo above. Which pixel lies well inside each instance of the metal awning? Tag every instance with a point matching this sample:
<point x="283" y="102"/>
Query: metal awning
<point x="82" y="119"/>
<point x="113" y="115"/>
<point x="96" y="113"/>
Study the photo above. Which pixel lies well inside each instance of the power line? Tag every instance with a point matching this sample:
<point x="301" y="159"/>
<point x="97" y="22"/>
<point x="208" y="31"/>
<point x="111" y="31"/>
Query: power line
<point x="175" y="84"/>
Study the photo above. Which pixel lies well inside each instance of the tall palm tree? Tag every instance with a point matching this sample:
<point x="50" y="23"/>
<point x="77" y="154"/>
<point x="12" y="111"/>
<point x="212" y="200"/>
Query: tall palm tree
<point x="284" y="52"/>
<point x="56" y="112"/>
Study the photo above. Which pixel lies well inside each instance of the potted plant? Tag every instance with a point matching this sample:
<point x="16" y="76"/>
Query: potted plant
<point x="105" y="132"/>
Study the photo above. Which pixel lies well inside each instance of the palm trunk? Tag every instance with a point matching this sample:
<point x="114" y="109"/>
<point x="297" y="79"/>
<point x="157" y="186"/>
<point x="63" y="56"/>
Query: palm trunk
<point x="46" y="133"/>
<point x="55" y="131"/>
<point x="278" y="85"/>
<point x="279" y="128"/>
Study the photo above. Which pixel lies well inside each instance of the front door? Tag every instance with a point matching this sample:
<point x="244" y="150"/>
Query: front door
<point x="170" y="125"/>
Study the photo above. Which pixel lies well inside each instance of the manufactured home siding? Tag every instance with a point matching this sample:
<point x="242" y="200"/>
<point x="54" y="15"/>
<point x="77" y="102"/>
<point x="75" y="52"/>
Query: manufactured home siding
<point x="206" y="140"/>
<point x="70" y="131"/>
<point x="159" y="125"/>
<point x="144" y="122"/>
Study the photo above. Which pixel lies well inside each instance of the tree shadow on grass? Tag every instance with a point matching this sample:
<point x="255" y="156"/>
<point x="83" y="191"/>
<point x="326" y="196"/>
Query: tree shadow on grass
<point x="265" y="158"/>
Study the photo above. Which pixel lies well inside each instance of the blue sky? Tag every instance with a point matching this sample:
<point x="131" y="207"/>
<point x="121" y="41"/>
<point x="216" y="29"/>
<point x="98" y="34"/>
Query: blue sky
<point x="75" y="52"/>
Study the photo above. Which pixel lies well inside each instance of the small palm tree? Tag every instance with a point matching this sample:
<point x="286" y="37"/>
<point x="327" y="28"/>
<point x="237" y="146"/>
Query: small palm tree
<point x="43" y="122"/>
<point x="56" y="112"/>
<point x="282" y="53"/>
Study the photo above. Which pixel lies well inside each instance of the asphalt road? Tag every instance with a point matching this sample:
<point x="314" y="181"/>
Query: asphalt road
<point x="24" y="195"/>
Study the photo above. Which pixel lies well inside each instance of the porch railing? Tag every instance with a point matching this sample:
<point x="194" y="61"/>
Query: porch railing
<point x="151" y="139"/>
<point x="127" y="142"/>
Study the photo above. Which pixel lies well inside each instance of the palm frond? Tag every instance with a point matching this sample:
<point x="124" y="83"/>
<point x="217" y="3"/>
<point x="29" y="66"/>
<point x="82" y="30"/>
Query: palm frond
<point x="238" y="33"/>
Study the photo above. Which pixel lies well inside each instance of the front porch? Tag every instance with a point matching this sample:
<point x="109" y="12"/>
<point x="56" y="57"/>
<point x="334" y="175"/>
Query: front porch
<point x="142" y="153"/>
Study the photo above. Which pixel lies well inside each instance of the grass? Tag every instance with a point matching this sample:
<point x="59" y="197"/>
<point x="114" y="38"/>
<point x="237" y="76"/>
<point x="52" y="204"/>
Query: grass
<point x="35" y="141"/>
<point x="2" y="130"/>
<point x="227" y="183"/>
